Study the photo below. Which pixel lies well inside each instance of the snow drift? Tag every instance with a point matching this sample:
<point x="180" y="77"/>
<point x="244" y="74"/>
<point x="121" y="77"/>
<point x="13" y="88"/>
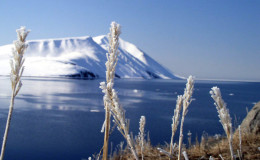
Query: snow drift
<point x="83" y="57"/>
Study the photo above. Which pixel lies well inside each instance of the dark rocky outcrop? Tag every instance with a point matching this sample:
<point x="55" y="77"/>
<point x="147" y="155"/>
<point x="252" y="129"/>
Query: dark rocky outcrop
<point x="83" y="75"/>
<point x="252" y="121"/>
<point x="153" y="75"/>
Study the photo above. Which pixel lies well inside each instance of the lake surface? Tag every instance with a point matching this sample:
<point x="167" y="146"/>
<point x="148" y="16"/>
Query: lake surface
<point x="61" y="119"/>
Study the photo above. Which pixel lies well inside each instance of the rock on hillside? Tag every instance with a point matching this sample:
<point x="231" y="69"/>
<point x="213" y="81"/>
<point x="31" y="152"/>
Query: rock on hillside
<point x="252" y="121"/>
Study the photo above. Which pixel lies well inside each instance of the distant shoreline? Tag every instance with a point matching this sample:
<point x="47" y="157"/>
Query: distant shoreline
<point x="138" y="78"/>
<point x="227" y="80"/>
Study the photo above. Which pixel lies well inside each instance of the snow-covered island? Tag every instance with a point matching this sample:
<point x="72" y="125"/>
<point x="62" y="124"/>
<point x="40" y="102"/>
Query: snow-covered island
<point x="83" y="57"/>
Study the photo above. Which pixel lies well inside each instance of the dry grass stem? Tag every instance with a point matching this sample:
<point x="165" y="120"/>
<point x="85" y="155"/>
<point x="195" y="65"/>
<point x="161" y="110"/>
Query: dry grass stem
<point x="224" y="116"/>
<point x="175" y="120"/>
<point x="141" y="135"/>
<point x="186" y="102"/>
<point x="17" y="69"/>
<point x="110" y="75"/>
<point x="111" y="101"/>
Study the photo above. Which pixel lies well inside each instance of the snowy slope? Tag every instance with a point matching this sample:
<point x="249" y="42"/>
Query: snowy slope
<point x="148" y="64"/>
<point x="83" y="57"/>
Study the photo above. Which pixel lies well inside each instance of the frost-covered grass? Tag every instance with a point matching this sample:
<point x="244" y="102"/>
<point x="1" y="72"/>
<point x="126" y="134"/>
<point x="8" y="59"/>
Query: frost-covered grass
<point x="224" y="116"/>
<point x="185" y="102"/>
<point x="17" y="68"/>
<point x="111" y="100"/>
<point x="141" y="135"/>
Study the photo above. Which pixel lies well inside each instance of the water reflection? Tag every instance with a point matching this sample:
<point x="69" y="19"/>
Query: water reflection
<point x="54" y="116"/>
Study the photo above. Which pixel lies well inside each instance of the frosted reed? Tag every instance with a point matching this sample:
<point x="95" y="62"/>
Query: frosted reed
<point x="111" y="101"/>
<point x="223" y="114"/>
<point x="175" y="119"/>
<point x="141" y="134"/>
<point x="111" y="63"/>
<point x="17" y="69"/>
<point x="186" y="102"/>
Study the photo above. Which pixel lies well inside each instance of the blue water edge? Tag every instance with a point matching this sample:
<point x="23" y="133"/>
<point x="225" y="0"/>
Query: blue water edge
<point x="61" y="119"/>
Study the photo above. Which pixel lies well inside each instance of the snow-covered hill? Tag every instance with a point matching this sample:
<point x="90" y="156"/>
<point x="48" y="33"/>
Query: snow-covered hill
<point x="83" y="57"/>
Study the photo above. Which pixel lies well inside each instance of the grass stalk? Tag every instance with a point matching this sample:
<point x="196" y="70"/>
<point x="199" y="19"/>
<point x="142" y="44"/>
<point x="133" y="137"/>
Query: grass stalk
<point x="110" y="75"/>
<point x="141" y="135"/>
<point x="186" y="102"/>
<point x="175" y="120"/>
<point x="17" y="68"/>
<point x="224" y="116"/>
<point x="106" y="135"/>
<point x="7" y="126"/>
<point x="111" y="101"/>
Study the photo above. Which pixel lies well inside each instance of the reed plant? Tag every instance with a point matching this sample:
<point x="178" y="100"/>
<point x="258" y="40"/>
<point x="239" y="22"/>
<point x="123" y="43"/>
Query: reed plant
<point x="111" y="101"/>
<point x="17" y="69"/>
<point x="186" y="102"/>
<point x="175" y="120"/>
<point x="141" y="135"/>
<point x="223" y="114"/>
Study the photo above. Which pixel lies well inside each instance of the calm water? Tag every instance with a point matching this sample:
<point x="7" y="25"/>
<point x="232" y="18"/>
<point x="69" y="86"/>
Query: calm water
<point x="61" y="119"/>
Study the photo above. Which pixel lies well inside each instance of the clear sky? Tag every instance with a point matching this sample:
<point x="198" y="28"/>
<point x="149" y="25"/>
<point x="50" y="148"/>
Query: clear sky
<point x="215" y="39"/>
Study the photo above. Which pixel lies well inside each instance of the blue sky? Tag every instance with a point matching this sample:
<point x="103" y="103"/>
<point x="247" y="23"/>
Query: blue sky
<point x="215" y="39"/>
